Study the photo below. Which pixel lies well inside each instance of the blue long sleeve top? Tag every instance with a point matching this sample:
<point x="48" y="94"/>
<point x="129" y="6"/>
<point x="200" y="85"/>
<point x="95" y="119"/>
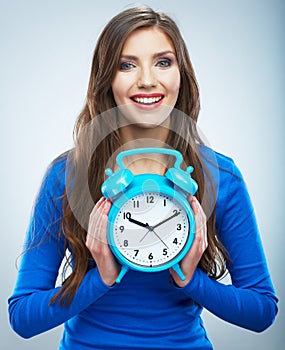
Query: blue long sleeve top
<point x="145" y="310"/>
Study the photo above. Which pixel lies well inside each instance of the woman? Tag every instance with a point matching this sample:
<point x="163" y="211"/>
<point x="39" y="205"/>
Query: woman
<point x="142" y="91"/>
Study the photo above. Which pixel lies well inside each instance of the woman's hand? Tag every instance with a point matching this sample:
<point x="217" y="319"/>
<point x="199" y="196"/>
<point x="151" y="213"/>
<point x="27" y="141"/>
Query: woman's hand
<point x="96" y="242"/>
<point x="190" y="261"/>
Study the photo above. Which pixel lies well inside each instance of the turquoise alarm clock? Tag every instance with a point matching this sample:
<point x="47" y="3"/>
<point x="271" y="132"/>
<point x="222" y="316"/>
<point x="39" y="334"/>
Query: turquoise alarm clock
<point x="151" y="224"/>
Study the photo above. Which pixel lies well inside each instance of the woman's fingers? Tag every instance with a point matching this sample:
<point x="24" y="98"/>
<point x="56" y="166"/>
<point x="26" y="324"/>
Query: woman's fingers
<point x="190" y="261"/>
<point x="96" y="242"/>
<point x="200" y="221"/>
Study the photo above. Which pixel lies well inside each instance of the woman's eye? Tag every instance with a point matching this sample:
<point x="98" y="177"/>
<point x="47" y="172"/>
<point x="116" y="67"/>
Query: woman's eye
<point x="126" y="65"/>
<point x="166" y="62"/>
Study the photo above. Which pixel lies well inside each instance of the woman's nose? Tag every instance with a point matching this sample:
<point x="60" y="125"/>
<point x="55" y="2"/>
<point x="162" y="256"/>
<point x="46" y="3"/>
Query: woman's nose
<point x="146" y="78"/>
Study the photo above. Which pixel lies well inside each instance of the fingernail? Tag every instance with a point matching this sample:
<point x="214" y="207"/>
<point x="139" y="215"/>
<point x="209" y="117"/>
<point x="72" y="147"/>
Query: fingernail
<point x="194" y="204"/>
<point x="106" y="203"/>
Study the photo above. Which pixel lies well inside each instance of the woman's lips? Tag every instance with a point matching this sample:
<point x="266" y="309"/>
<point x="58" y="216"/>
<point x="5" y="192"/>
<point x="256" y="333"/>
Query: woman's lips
<point x="147" y="100"/>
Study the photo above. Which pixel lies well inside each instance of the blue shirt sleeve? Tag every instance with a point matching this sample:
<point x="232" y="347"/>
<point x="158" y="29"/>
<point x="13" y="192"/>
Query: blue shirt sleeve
<point x="250" y="300"/>
<point x="29" y="309"/>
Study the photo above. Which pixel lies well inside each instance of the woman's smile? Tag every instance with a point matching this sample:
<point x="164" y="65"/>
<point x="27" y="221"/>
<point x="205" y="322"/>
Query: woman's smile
<point x="147" y="81"/>
<point x="147" y="100"/>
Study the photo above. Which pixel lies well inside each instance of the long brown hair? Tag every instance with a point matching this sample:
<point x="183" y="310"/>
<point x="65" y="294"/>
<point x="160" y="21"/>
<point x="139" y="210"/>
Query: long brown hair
<point x="99" y="100"/>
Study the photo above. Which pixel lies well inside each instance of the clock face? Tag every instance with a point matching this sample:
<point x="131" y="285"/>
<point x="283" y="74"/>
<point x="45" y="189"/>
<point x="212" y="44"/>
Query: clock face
<point x="151" y="229"/>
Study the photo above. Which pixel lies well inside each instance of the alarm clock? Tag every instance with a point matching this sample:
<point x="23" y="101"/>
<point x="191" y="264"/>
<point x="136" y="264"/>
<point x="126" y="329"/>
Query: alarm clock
<point x="151" y="224"/>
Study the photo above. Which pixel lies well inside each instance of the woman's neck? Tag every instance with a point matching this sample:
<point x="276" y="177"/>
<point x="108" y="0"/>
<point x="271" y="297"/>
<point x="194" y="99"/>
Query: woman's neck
<point x="143" y="137"/>
<point x="147" y="164"/>
<point x="133" y="136"/>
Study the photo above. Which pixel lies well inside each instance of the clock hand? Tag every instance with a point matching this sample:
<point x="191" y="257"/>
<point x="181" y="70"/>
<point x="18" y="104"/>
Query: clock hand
<point x="163" y="221"/>
<point x="158" y="237"/>
<point x="150" y="229"/>
<point x="138" y="222"/>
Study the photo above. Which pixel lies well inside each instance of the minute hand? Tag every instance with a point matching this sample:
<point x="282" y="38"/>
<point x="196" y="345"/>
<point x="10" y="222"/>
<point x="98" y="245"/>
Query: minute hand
<point x="165" y="220"/>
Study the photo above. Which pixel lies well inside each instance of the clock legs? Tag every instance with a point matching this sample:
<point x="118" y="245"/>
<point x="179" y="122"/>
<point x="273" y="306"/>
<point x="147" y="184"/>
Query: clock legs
<point x="179" y="272"/>
<point x="175" y="267"/>
<point x="122" y="273"/>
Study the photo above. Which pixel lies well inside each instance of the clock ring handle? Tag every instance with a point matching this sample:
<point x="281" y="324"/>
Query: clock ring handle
<point x="134" y="151"/>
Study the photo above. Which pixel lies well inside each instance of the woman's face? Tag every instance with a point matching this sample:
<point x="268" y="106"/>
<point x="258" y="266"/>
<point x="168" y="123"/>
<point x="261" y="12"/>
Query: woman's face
<point x="147" y="82"/>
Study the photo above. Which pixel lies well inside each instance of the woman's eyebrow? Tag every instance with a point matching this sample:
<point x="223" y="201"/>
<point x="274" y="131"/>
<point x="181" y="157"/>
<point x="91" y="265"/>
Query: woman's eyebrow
<point x="156" y="55"/>
<point x="129" y="57"/>
<point x="163" y="53"/>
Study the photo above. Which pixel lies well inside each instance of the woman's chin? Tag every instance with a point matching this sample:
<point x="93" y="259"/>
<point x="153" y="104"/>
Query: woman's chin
<point x="145" y="119"/>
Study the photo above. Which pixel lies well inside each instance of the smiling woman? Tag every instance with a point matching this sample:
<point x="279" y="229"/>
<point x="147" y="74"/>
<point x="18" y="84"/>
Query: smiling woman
<point x="142" y="86"/>
<point x="148" y="64"/>
<point x="148" y="77"/>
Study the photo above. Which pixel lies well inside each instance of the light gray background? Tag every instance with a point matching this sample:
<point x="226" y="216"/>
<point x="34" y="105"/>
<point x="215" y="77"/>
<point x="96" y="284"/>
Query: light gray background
<point x="237" y="48"/>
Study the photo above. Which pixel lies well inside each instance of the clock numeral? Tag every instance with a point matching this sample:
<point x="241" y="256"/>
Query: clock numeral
<point x="150" y="256"/>
<point x="121" y="228"/>
<point x="175" y="212"/>
<point x="136" y="204"/>
<point x="136" y="252"/>
<point x="127" y="215"/>
<point x="164" y="202"/>
<point x="164" y="251"/>
<point x="175" y="241"/>
<point x="179" y="227"/>
<point x="126" y="243"/>
<point x="150" y="199"/>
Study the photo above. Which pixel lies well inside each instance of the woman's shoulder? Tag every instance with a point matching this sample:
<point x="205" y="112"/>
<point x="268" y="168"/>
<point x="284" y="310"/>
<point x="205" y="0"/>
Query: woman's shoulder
<point x="218" y="162"/>
<point x="58" y="164"/>
<point x="54" y="179"/>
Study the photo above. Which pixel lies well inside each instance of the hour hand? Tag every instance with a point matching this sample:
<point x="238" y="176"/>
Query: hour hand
<point x="138" y="222"/>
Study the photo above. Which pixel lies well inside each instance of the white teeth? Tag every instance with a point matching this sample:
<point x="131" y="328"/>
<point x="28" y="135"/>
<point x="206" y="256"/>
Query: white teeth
<point x="147" y="100"/>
